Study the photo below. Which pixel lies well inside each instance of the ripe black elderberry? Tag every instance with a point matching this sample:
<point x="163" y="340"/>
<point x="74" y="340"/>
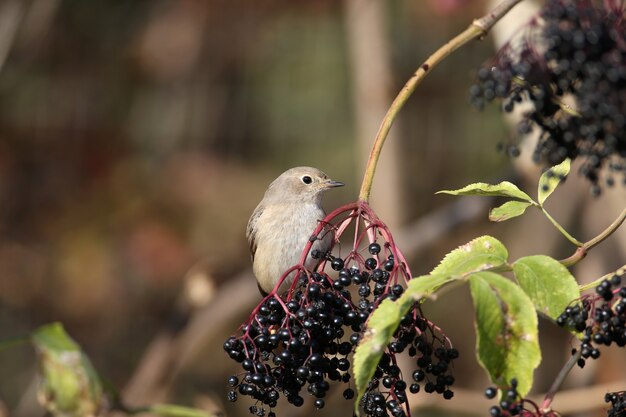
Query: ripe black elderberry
<point x="302" y="340"/>
<point x="512" y="404"/>
<point x="576" y="50"/>
<point x="600" y="317"/>
<point x="618" y="403"/>
<point x="374" y="248"/>
<point x="491" y="392"/>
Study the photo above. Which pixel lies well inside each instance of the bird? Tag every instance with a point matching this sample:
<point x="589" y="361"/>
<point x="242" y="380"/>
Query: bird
<point x="283" y="222"/>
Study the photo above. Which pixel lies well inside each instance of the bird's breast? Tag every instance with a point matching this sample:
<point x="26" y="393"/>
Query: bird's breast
<point x="285" y="232"/>
<point x="290" y="227"/>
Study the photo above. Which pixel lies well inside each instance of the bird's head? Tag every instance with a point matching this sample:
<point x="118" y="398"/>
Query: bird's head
<point x="304" y="184"/>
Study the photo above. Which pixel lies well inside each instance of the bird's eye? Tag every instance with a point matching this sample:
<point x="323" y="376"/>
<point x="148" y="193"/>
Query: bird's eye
<point x="306" y="179"/>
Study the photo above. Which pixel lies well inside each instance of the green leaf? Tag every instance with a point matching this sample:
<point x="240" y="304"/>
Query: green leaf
<point x="549" y="284"/>
<point x="170" y="410"/>
<point x="551" y="179"/>
<point x="480" y="254"/>
<point x="53" y="339"/>
<point x="70" y="386"/>
<point x="503" y="189"/>
<point x="383" y="323"/>
<point x="506" y="330"/>
<point x="421" y="287"/>
<point x="508" y="210"/>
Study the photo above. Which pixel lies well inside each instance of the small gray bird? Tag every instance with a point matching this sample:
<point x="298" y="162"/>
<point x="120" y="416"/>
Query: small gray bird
<point x="283" y="222"/>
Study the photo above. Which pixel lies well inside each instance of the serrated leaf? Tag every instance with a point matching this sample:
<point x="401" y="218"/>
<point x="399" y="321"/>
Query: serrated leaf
<point x="508" y="210"/>
<point x="383" y="323"/>
<point x="480" y="254"/>
<point x="506" y="330"/>
<point x="549" y="284"/>
<point x="70" y="386"/>
<point x="551" y="179"/>
<point x="503" y="189"/>
<point x="421" y="287"/>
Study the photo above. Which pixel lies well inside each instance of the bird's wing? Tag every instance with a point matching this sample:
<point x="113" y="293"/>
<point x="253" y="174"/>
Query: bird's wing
<point x="252" y="229"/>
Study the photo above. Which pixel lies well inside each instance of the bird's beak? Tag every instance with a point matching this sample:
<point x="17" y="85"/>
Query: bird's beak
<point x="333" y="184"/>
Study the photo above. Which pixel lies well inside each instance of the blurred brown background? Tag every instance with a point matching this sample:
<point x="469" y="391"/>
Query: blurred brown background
<point x="136" y="137"/>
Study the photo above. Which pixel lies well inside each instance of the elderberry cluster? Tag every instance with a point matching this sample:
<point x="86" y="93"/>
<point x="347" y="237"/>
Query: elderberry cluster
<point x="601" y="318"/>
<point x="509" y="405"/>
<point x="309" y="351"/>
<point x="301" y="342"/>
<point x="578" y="51"/>
<point x="513" y="404"/>
<point x="618" y="403"/>
<point x="433" y="366"/>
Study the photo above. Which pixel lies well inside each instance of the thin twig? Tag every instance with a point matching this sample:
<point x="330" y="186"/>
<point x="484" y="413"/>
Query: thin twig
<point x="486" y="22"/>
<point x="561" y="229"/>
<point x="608" y="231"/>
<point x="478" y="29"/>
<point x="581" y="252"/>
<point x="619" y="272"/>
<point x="14" y="341"/>
<point x="547" y="402"/>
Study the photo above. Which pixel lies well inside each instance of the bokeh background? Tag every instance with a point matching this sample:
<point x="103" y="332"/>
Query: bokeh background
<point x="136" y="137"/>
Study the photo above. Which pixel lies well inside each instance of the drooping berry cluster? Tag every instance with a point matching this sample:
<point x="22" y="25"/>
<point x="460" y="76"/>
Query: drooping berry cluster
<point x="302" y="340"/>
<point x="601" y="318"/>
<point x="618" y="403"/>
<point x="576" y="51"/>
<point x="512" y="404"/>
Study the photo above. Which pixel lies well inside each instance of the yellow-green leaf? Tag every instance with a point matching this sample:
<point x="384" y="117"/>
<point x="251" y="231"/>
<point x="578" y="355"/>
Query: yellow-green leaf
<point x="547" y="282"/>
<point x="380" y="328"/>
<point x="551" y="179"/>
<point x="506" y="330"/>
<point x="383" y="323"/>
<point x="70" y="386"/>
<point x="480" y="254"/>
<point x="503" y="189"/>
<point x="508" y="210"/>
